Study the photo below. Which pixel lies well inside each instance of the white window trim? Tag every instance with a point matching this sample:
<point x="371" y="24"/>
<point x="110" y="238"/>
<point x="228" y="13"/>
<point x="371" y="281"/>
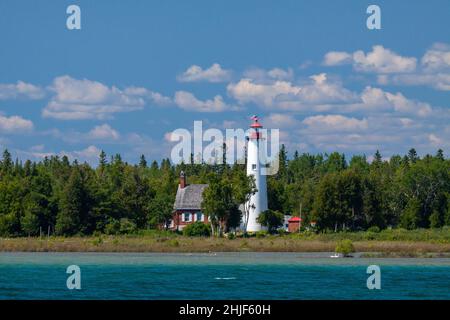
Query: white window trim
<point x="202" y="216"/>
<point x="183" y="217"/>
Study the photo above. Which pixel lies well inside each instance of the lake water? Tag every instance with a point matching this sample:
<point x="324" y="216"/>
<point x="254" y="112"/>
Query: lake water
<point x="219" y="276"/>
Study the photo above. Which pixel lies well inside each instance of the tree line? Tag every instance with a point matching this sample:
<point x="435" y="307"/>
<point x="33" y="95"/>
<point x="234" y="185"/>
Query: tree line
<point x="67" y="198"/>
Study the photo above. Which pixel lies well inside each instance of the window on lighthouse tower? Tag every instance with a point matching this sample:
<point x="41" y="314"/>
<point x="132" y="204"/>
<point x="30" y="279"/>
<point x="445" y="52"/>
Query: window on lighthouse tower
<point x="254" y="166"/>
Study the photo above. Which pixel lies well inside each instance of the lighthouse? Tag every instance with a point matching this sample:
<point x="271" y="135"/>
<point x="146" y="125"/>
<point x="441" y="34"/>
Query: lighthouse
<point x="256" y="167"/>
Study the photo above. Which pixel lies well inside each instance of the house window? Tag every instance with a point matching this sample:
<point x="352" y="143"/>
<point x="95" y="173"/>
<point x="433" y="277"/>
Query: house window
<point x="254" y="166"/>
<point x="199" y="216"/>
<point x="186" y="217"/>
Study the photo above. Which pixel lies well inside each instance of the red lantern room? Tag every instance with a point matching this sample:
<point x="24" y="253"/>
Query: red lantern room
<point x="255" y="134"/>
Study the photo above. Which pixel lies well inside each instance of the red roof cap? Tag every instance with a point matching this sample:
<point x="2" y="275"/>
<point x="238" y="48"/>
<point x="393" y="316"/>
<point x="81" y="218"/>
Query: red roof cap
<point x="255" y="123"/>
<point x="295" y="219"/>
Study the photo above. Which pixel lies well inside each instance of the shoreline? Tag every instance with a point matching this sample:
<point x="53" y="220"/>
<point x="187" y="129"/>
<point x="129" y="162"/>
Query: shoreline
<point x="180" y="244"/>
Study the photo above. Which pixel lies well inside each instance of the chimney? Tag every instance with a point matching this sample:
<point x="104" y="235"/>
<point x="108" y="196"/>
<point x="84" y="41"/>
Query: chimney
<point x="182" y="180"/>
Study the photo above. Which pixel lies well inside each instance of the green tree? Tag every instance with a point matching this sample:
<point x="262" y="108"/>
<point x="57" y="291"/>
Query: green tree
<point x="75" y="215"/>
<point x="160" y="211"/>
<point x="411" y="214"/>
<point x="271" y="219"/>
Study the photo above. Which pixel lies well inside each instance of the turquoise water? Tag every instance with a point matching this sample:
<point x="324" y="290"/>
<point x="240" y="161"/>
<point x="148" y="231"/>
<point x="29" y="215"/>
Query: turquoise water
<point x="219" y="276"/>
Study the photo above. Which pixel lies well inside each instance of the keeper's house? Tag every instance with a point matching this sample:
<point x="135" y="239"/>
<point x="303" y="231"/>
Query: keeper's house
<point x="187" y="206"/>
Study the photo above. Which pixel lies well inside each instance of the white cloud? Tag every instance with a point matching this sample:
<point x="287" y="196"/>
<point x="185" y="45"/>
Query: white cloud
<point x="435" y="140"/>
<point x="335" y="123"/>
<point x="280" y="120"/>
<point x="103" y="132"/>
<point x="86" y="99"/>
<point x="335" y="58"/>
<point x="21" y="90"/>
<point x="15" y="124"/>
<point x="261" y="75"/>
<point x="89" y="154"/>
<point x="195" y="73"/>
<point x="379" y="60"/>
<point x="434" y="70"/>
<point x="285" y="95"/>
<point x="154" y="97"/>
<point x="187" y="101"/>
<point x="437" y="58"/>
<point x="246" y="91"/>
<point x="438" y="81"/>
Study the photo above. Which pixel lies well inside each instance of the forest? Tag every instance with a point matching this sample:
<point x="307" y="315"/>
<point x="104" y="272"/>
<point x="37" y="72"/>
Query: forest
<point x="61" y="197"/>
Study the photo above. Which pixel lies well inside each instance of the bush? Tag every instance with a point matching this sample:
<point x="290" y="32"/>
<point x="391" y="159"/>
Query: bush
<point x="345" y="247"/>
<point x="197" y="229"/>
<point x="231" y="236"/>
<point x="261" y="234"/>
<point x="375" y="229"/>
<point x="122" y="226"/>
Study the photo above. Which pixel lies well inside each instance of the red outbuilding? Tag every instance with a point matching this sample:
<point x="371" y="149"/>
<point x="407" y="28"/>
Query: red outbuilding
<point x="294" y="224"/>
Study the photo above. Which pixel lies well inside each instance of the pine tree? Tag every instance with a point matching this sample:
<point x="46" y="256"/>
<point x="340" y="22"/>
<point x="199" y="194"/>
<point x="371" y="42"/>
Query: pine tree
<point x="102" y="160"/>
<point x="377" y="159"/>
<point x="7" y="163"/>
<point x="142" y="162"/>
<point x="412" y="155"/>
<point x="440" y="155"/>
<point x="75" y="206"/>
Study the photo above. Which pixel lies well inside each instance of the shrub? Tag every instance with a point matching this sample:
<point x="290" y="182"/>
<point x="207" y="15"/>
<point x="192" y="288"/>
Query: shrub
<point x="231" y="236"/>
<point x="261" y="234"/>
<point x="127" y="226"/>
<point x="375" y="229"/>
<point x="112" y="227"/>
<point x="98" y="241"/>
<point x="345" y="247"/>
<point x="122" y="226"/>
<point x="197" y="229"/>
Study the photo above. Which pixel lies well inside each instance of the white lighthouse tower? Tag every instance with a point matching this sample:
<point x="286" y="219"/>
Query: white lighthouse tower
<point x="256" y="167"/>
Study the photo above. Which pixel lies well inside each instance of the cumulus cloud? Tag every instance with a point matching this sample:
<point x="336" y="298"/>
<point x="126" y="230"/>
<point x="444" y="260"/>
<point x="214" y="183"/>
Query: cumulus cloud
<point x="85" y="99"/>
<point x="103" y="132"/>
<point x="437" y="58"/>
<point x="280" y="120"/>
<point x="15" y="124"/>
<point x="434" y="71"/>
<point x="335" y="58"/>
<point x="21" y="90"/>
<point x="390" y="134"/>
<point x="187" y="101"/>
<point x="285" y="95"/>
<point x="195" y="73"/>
<point x="261" y="75"/>
<point x="377" y="100"/>
<point x="439" y="81"/>
<point x="76" y="99"/>
<point x="335" y="123"/>
<point x="151" y="96"/>
<point x="379" y="60"/>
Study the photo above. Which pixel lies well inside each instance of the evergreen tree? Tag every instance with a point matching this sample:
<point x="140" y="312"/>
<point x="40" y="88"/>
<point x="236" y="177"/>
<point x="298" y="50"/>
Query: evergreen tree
<point x="142" y="162"/>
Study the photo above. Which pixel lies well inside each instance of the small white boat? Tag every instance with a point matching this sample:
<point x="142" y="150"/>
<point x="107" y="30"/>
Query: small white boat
<point x="335" y="255"/>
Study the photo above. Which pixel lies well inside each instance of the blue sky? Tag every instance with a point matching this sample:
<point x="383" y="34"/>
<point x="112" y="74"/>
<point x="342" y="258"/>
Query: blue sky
<point x="137" y="70"/>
